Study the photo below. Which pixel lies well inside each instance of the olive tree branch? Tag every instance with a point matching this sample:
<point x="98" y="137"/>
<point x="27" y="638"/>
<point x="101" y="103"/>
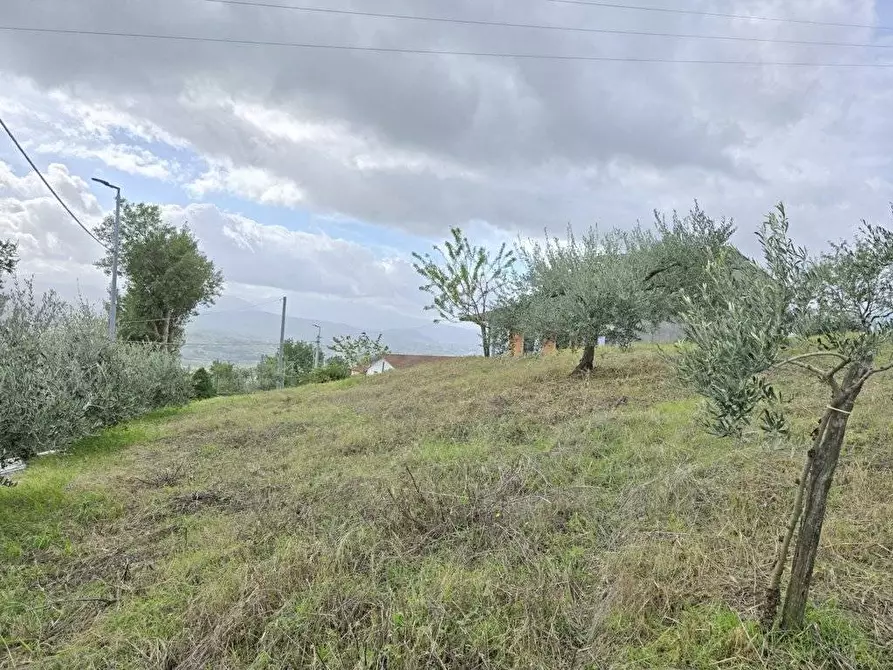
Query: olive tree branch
<point x="826" y="376"/>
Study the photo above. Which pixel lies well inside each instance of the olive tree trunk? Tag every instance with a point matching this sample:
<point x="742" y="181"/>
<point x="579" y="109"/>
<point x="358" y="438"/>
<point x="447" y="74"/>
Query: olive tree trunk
<point x="587" y="361"/>
<point x="773" y="591"/>
<point x="824" y="459"/>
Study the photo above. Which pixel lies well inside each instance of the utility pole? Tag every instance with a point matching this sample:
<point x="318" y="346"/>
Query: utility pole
<point x="280" y="361"/>
<point x="318" y="354"/>
<point x="113" y="291"/>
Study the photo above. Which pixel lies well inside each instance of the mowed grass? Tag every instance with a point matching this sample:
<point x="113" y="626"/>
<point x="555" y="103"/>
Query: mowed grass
<point x="475" y="514"/>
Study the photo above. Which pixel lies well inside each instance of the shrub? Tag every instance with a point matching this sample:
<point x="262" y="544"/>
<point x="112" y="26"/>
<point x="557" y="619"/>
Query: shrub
<point x="231" y="380"/>
<point x="202" y="386"/>
<point x="61" y="379"/>
<point x="330" y="372"/>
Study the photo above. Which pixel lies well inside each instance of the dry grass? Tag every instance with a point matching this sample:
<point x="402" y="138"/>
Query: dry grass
<point x="477" y="514"/>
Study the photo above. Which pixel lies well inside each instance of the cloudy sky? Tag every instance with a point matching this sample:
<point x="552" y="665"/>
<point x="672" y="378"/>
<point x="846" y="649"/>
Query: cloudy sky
<point x="315" y="172"/>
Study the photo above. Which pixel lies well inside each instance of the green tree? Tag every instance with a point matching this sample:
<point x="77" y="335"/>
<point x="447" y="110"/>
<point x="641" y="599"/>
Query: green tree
<point x="587" y="288"/>
<point x="165" y="274"/>
<point x="297" y="364"/>
<point x="677" y="261"/>
<point x="228" y="379"/>
<point x="336" y="360"/>
<point x="465" y="281"/>
<point x="202" y="385"/>
<point x="759" y="326"/>
<point x="8" y="258"/>
<point x="360" y="350"/>
<point x="266" y="373"/>
<point x="297" y="361"/>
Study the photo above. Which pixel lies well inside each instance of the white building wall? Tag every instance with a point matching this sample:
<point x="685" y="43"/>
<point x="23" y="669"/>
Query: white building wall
<point x="378" y="367"/>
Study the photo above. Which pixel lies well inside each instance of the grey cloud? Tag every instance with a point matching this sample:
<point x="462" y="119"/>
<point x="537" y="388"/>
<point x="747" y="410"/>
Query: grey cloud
<point x="519" y="143"/>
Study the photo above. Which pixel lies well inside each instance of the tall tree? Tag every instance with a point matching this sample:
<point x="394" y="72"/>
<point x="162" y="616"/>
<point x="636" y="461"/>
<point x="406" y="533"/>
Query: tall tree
<point x="759" y="325"/>
<point x="8" y="258"/>
<point x="465" y="281"/>
<point x="361" y="350"/>
<point x="166" y="276"/>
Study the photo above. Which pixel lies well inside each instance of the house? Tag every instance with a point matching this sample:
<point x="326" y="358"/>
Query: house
<point x="399" y="361"/>
<point x="520" y="345"/>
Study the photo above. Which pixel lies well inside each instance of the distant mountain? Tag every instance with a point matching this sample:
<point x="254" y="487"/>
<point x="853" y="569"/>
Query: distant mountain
<point x="236" y="331"/>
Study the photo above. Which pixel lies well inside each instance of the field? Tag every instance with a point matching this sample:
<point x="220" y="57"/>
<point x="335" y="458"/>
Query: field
<point x="476" y="514"/>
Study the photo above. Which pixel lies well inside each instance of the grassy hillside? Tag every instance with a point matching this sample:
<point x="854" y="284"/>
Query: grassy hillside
<point x="477" y="514"/>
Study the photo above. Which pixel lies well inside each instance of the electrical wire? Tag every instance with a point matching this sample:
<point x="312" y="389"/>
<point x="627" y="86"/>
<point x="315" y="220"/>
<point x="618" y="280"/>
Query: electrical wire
<point x="47" y="184"/>
<point x="437" y="52"/>
<point x="536" y="26"/>
<point x="722" y="15"/>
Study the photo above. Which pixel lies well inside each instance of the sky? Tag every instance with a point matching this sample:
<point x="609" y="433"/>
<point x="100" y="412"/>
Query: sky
<point x="315" y="173"/>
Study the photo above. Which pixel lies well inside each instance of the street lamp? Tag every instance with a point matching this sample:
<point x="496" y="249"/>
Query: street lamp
<point x="113" y="291"/>
<point x="318" y="351"/>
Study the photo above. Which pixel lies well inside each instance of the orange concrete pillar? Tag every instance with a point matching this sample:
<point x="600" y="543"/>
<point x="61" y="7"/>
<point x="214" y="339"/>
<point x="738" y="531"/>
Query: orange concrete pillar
<point x="549" y="347"/>
<point x="516" y="344"/>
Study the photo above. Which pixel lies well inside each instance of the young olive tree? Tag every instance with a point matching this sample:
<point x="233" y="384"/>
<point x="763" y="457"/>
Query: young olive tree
<point x="465" y="282"/>
<point x="733" y="343"/>
<point x="587" y="288"/>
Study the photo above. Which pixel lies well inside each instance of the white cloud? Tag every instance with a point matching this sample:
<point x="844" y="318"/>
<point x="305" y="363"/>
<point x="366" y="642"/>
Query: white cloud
<point x="340" y="279"/>
<point x="126" y="158"/>
<point x="251" y="183"/>
<point x="252" y="253"/>
<point x="30" y="214"/>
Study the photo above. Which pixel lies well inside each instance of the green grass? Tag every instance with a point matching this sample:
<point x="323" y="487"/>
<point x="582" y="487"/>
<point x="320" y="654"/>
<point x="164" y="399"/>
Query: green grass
<point x="477" y="514"/>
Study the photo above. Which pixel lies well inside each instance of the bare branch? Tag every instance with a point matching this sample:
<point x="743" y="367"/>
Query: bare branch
<point x="871" y="373"/>
<point x="821" y="374"/>
<point x="813" y="354"/>
<point x="826" y="376"/>
<point x="840" y="366"/>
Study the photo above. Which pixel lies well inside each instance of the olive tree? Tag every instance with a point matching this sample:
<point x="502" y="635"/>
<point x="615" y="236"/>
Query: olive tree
<point x="678" y="260"/>
<point x="761" y="325"/>
<point x="465" y="281"/>
<point x="585" y="288"/>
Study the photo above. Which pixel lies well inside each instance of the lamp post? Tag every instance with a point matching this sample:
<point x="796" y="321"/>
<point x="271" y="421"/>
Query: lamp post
<point x="113" y="291"/>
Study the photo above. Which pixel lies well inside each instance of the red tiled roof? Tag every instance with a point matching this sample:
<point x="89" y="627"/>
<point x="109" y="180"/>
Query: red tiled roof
<point x="410" y="360"/>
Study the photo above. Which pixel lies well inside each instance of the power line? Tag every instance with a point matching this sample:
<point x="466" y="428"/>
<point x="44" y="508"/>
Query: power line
<point x="437" y="52"/>
<point x="47" y="184"/>
<point x="539" y="26"/>
<point x="722" y="15"/>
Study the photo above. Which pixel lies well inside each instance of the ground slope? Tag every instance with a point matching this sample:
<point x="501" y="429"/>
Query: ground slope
<point x="475" y="514"/>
